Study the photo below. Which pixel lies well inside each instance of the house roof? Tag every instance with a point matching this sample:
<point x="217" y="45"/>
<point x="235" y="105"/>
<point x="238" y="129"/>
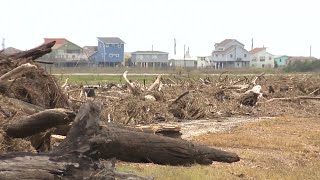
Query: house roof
<point x="149" y="52"/>
<point x="59" y="42"/>
<point x="225" y="42"/>
<point x="111" y="40"/>
<point x="256" y="50"/>
<point x="10" y="50"/>
<point x="90" y="50"/>
<point x="301" y="58"/>
<point x="280" y="56"/>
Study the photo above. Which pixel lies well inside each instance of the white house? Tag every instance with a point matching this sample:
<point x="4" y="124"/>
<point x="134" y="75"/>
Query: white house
<point x="183" y="62"/>
<point x="260" y="58"/>
<point x="204" y="61"/>
<point x="230" y="53"/>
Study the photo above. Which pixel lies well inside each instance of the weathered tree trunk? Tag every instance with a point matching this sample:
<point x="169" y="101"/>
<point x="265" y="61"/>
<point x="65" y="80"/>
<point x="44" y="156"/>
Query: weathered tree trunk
<point x="46" y="166"/>
<point x="39" y="122"/>
<point x="97" y="140"/>
<point x="35" y="52"/>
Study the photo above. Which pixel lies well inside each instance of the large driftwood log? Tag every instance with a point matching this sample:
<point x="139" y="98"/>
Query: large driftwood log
<point x="35" y="52"/>
<point x="39" y="122"/>
<point x="95" y="139"/>
<point x="48" y="166"/>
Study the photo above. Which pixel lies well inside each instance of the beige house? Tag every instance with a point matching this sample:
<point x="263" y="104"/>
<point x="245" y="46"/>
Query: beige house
<point x="260" y="58"/>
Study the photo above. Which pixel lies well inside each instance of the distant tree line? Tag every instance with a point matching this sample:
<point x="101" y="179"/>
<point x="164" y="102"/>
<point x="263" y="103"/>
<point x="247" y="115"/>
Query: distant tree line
<point x="303" y="66"/>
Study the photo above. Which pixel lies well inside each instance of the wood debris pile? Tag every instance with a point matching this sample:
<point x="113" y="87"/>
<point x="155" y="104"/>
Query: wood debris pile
<point x="173" y="99"/>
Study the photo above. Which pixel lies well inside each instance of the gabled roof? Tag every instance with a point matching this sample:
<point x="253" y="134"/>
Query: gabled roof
<point x="111" y="40"/>
<point x="90" y="50"/>
<point x="301" y="58"/>
<point x="224" y="42"/>
<point x="256" y="50"/>
<point x="59" y="42"/>
<point x="149" y="52"/>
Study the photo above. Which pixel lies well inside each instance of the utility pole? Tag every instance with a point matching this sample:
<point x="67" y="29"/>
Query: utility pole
<point x="3" y="44"/>
<point x="251" y="43"/>
<point x="310" y="51"/>
<point x="175" y="46"/>
<point x="184" y="56"/>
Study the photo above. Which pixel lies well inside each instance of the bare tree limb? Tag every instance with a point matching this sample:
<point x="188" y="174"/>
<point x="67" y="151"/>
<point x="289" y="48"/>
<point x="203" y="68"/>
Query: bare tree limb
<point x="155" y="83"/>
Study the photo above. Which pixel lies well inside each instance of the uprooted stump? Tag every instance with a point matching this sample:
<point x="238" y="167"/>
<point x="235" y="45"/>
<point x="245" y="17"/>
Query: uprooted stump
<point x="93" y="138"/>
<point x="22" y="78"/>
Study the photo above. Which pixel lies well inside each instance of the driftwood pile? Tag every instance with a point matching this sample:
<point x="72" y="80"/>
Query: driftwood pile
<point x="33" y="106"/>
<point x="177" y="98"/>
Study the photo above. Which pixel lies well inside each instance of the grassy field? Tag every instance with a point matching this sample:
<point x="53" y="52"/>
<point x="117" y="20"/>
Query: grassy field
<point x="103" y="79"/>
<point x="281" y="148"/>
<point x="171" y="70"/>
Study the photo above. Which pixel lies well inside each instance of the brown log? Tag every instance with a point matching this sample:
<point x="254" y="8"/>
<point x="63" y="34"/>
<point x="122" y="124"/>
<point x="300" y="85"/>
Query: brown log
<point x="91" y="137"/>
<point x="48" y="166"/>
<point x="39" y="122"/>
<point x="35" y="52"/>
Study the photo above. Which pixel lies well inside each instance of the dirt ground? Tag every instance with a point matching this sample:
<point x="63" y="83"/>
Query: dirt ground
<point x="276" y="148"/>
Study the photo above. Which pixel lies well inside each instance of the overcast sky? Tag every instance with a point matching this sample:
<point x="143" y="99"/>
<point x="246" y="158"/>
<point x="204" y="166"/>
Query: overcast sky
<point x="285" y="27"/>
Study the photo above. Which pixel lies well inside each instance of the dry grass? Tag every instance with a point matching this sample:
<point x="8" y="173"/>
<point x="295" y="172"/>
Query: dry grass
<point x="282" y="148"/>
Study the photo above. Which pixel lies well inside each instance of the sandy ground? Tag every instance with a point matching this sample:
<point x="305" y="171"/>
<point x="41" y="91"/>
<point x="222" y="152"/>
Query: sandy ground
<point x="193" y="128"/>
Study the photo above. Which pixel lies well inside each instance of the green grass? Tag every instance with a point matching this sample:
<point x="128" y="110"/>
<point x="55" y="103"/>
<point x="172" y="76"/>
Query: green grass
<point x="103" y="79"/>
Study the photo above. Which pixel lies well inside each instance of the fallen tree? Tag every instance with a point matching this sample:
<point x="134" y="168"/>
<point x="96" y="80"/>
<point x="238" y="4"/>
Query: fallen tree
<point x="91" y="137"/>
<point x="90" y="140"/>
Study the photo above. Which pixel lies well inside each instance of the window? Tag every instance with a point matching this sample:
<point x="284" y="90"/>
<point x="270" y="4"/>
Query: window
<point x="119" y="45"/>
<point x="217" y="55"/>
<point x="245" y="55"/>
<point x="262" y="58"/>
<point x="231" y="55"/>
<point x="154" y="57"/>
<point x="279" y="60"/>
<point x="254" y="59"/>
<point x="270" y="58"/>
<point x="73" y="51"/>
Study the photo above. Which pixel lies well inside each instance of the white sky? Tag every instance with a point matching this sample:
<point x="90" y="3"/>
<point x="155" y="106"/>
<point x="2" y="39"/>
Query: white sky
<point x="284" y="26"/>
